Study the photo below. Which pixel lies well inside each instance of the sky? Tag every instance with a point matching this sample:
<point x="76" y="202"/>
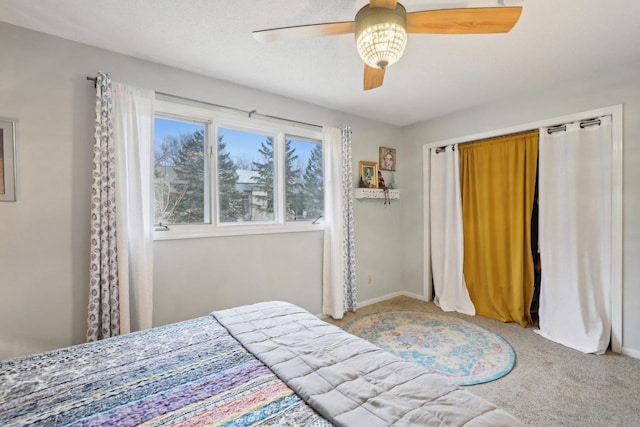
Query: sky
<point x="242" y="145"/>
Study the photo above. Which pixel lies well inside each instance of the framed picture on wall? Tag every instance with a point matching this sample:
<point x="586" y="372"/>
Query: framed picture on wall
<point x="387" y="159"/>
<point x="368" y="174"/>
<point x="7" y="161"/>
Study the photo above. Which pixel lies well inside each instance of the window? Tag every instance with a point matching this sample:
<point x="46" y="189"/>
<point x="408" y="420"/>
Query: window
<point x="245" y="176"/>
<point x="215" y="174"/>
<point x="179" y="172"/>
<point x="304" y="180"/>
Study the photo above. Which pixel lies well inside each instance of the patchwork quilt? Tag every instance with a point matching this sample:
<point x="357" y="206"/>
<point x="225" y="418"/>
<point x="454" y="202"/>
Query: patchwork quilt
<point x="185" y="374"/>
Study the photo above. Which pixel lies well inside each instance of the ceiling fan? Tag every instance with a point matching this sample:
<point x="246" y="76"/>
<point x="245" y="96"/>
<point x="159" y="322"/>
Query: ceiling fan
<point x="381" y="29"/>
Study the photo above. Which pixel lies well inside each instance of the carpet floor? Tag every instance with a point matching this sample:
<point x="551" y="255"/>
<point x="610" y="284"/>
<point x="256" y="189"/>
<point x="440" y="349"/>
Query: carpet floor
<point x="550" y="385"/>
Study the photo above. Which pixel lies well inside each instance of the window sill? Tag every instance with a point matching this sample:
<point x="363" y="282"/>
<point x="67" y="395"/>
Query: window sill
<point x="206" y="231"/>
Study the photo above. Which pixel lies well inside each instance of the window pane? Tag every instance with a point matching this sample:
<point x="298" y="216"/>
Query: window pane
<point x="304" y="193"/>
<point x="245" y="176"/>
<point x="179" y="172"/>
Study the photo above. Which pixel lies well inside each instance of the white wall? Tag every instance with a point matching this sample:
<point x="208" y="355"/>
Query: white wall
<point x="609" y="87"/>
<point x="44" y="235"/>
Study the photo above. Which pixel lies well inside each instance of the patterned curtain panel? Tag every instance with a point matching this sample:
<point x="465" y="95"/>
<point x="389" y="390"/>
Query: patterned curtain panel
<point x="350" y="292"/>
<point x="121" y="282"/>
<point x="339" y="260"/>
<point x="104" y="316"/>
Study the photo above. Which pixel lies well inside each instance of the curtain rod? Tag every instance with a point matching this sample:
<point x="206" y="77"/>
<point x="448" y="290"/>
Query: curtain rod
<point x="583" y="124"/>
<point x="443" y="149"/>
<point x="250" y="114"/>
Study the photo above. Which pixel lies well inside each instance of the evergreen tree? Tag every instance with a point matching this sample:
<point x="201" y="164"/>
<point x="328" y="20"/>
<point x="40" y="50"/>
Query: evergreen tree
<point x="314" y="184"/>
<point x="230" y="199"/>
<point x="264" y="180"/>
<point x="189" y="169"/>
<point x="294" y="193"/>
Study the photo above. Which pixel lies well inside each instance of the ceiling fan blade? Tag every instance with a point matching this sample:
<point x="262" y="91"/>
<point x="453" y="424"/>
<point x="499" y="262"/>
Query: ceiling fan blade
<point x="387" y="4"/>
<point x="464" y="21"/>
<point x="304" y="31"/>
<point x="373" y="77"/>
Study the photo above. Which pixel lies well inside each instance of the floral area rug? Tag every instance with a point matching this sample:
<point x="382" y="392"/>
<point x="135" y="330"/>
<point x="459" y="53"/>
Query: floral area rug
<point x="465" y="353"/>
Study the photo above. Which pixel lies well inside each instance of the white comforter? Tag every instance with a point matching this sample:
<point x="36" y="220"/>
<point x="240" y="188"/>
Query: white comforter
<point x="348" y="380"/>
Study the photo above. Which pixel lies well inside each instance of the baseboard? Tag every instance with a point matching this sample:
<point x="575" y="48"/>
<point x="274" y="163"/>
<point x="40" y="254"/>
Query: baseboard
<point x="631" y="352"/>
<point x="392" y="295"/>
<point x="383" y="298"/>
<point x="415" y="296"/>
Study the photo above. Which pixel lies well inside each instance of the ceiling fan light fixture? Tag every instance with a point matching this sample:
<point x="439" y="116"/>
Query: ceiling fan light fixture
<point x="381" y="35"/>
<point x="381" y="29"/>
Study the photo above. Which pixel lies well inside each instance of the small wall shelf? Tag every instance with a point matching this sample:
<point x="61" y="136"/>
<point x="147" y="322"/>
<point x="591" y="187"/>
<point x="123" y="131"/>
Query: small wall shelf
<point x="375" y="193"/>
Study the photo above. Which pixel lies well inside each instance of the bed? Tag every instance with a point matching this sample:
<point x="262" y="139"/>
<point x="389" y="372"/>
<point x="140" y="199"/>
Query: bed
<point x="271" y="363"/>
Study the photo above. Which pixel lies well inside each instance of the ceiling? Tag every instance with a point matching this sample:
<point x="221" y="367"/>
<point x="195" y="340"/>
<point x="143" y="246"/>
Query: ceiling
<point x="554" y="40"/>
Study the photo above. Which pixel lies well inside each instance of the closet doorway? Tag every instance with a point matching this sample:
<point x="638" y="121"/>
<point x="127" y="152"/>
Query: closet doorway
<point x="616" y="203"/>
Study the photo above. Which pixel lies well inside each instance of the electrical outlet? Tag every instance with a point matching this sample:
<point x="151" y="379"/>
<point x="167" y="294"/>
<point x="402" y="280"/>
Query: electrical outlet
<point x="369" y="279"/>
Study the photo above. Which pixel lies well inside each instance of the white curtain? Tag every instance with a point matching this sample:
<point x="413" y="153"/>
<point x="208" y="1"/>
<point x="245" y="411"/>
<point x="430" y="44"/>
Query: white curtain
<point x="575" y="235"/>
<point x="133" y="134"/>
<point x="447" y="238"/>
<point x="338" y="269"/>
<point x="121" y="269"/>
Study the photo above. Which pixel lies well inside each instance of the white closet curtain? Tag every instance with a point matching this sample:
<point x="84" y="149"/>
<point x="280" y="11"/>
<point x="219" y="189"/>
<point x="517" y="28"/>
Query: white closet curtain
<point x="133" y="135"/>
<point x="447" y="239"/>
<point x="338" y="269"/>
<point x="575" y="235"/>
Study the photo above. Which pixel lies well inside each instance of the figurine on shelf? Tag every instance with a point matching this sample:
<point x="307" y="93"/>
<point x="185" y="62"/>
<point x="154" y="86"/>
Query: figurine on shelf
<point x="381" y="181"/>
<point x="384" y="188"/>
<point x="361" y="184"/>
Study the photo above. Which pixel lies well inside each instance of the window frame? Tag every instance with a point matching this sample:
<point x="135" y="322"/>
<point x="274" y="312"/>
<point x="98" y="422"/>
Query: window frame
<point x="213" y="119"/>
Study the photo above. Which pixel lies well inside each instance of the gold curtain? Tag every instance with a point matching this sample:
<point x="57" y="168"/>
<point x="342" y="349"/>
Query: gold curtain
<point x="498" y="177"/>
